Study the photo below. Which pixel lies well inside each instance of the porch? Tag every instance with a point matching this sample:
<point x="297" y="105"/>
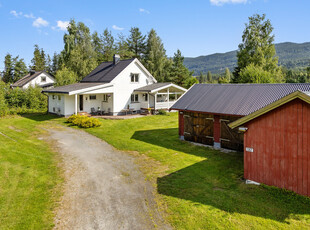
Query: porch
<point x="159" y="96"/>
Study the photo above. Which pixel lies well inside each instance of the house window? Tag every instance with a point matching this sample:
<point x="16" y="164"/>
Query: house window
<point x="134" y="98"/>
<point x="92" y="97"/>
<point x="59" y="97"/>
<point x="105" y="97"/>
<point x="54" y="97"/>
<point x="145" y="96"/>
<point x="43" y="79"/>
<point x="134" y="77"/>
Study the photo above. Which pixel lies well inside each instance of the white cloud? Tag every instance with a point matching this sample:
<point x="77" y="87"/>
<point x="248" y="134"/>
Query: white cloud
<point x="222" y="2"/>
<point x="145" y="11"/>
<point x="29" y="16"/>
<point x="39" y="22"/>
<point x="117" y="28"/>
<point x="61" y="25"/>
<point x="16" y="14"/>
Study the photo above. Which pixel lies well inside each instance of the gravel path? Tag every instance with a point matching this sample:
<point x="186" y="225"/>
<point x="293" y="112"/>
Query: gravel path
<point x="104" y="189"/>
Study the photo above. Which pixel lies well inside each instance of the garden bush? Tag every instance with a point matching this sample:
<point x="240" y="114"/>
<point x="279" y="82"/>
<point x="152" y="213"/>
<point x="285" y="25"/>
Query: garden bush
<point x="162" y="112"/>
<point x="84" y="121"/>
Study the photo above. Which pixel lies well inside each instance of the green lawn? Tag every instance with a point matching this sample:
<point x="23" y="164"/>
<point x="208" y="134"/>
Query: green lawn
<point x="200" y="188"/>
<point x="28" y="175"/>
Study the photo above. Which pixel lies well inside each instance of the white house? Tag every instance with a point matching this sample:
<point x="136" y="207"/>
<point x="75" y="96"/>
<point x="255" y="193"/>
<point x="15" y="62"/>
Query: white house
<point x="115" y="88"/>
<point x="40" y="78"/>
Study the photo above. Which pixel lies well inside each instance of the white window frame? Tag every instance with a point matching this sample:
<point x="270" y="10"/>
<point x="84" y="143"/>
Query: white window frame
<point x="134" y="78"/>
<point x="134" y="98"/>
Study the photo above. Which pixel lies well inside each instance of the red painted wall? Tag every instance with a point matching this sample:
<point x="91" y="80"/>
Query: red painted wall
<point x="181" y="124"/>
<point x="281" y="148"/>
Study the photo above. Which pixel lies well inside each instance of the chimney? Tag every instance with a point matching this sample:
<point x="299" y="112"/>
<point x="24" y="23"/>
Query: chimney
<point x="32" y="72"/>
<point x="116" y="59"/>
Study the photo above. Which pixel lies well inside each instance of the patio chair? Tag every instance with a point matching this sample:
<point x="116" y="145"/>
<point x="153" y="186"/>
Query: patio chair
<point x="92" y="111"/>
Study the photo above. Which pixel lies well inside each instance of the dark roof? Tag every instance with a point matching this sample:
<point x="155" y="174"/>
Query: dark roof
<point x="73" y="87"/>
<point x="234" y="99"/>
<point x="24" y="80"/>
<point x="151" y="87"/>
<point x="107" y="71"/>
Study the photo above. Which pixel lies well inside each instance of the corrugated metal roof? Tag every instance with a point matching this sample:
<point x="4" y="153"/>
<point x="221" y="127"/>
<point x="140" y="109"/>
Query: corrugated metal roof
<point x="234" y="99"/>
<point x="151" y="87"/>
<point x="107" y="71"/>
<point x="73" y="87"/>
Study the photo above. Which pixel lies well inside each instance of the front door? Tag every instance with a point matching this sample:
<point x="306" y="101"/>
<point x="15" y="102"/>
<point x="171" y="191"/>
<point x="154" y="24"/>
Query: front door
<point x="81" y="102"/>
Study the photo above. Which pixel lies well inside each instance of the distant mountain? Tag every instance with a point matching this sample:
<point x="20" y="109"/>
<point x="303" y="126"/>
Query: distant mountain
<point x="291" y="55"/>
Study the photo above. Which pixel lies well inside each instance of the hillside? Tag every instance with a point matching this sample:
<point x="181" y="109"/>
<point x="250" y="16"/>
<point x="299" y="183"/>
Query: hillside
<point x="291" y="55"/>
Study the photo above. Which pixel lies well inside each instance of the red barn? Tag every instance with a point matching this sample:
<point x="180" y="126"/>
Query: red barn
<point x="269" y="122"/>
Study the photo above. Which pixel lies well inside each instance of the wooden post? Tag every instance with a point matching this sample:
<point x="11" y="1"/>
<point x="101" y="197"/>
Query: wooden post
<point x="168" y="97"/>
<point x="75" y="104"/>
<point x="148" y="100"/>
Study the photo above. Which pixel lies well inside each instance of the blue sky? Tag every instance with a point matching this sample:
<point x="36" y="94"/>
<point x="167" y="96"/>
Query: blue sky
<point x="196" y="27"/>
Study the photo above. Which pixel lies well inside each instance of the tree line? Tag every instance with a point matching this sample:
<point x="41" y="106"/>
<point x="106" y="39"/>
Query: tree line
<point x="84" y="51"/>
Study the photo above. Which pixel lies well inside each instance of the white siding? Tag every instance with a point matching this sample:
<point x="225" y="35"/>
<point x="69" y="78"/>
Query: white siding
<point x="69" y="105"/>
<point x="37" y="81"/>
<point x="59" y="105"/>
<point x="123" y="87"/>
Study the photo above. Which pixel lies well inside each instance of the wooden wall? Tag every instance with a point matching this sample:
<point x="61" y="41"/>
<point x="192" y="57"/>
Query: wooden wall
<point x="209" y="128"/>
<point x="280" y="141"/>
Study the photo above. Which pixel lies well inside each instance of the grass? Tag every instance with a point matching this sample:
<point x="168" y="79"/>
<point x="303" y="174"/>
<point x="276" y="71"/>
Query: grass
<point x="200" y="188"/>
<point x="29" y="176"/>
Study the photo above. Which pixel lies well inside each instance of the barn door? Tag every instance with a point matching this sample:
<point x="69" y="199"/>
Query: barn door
<point x="198" y="128"/>
<point x="230" y="138"/>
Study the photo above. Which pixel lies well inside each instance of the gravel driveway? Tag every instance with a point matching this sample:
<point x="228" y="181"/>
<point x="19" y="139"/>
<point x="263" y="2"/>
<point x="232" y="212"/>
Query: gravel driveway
<point x="104" y="189"/>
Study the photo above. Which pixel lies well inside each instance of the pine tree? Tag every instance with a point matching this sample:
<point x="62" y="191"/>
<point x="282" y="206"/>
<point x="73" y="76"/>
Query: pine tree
<point x="136" y="43"/>
<point x="122" y="47"/>
<point x="55" y="64"/>
<point x="108" y="45"/>
<point x="155" y="57"/>
<point x="39" y="59"/>
<point x="98" y="47"/>
<point x="257" y="49"/>
<point x="20" y="69"/>
<point x="179" y="73"/>
<point x="8" y="69"/>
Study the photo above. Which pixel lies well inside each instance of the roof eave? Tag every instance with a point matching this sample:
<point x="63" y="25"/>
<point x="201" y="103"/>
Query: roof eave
<point x="268" y="108"/>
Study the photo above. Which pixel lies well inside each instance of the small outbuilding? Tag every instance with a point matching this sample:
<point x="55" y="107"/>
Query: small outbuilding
<point x="270" y="123"/>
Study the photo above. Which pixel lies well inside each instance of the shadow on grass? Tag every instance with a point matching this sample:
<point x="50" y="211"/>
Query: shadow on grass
<point x="40" y="116"/>
<point x="217" y="182"/>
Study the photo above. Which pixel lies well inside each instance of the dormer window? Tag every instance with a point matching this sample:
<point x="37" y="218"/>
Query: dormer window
<point x="134" y="77"/>
<point x="43" y="79"/>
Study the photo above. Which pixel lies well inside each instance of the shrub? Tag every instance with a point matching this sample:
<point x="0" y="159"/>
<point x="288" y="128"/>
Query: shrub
<point x="84" y="121"/>
<point x="162" y="112"/>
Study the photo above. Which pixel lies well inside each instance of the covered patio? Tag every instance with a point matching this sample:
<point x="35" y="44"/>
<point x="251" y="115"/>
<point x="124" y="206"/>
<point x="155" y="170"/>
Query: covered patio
<point x="159" y="96"/>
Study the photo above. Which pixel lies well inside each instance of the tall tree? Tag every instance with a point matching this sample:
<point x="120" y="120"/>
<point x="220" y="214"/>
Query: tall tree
<point x="78" y="54"/>
<point x="136" y="42"/>
<point x="20" y="68"/>
<point x="108" y="45"/>
<point x="122" y="47"/>
<point x="98" y="47"/>
<point x="257" y="48"/>
<point x="179" y="73"/>
<point x="15" y="68"/>
<point x="55" y="64"/>
<point x="209" y="77"/>
<point x="39" y="59"/>
<point x="226" y="78"/>
<point x="155" y="57"/>
<point x="8" y="69"/>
